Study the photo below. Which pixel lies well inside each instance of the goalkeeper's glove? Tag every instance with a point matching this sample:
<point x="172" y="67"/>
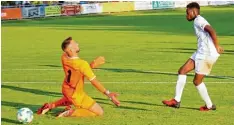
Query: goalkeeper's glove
<point x="113" y="97"/>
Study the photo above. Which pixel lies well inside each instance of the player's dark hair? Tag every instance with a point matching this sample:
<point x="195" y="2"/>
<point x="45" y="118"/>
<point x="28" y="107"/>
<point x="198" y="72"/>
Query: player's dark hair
<point x="65" y="43"/>
<point x="193" y="5"/>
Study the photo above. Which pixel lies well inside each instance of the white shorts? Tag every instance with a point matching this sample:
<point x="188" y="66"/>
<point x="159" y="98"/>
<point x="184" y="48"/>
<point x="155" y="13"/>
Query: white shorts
<point x="203" y="66"/>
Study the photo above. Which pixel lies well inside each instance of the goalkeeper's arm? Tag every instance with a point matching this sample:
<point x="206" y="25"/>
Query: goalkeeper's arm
<point x="97" y="62"/>
<point x="103" y="90"/>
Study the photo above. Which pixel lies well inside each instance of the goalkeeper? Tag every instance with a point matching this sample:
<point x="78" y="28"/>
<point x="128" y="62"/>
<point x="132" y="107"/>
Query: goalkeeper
<point x="75" y="70"/>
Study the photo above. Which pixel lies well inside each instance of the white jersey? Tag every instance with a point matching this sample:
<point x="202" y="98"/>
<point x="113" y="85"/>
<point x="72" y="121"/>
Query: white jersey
<point x="205" y="45"/>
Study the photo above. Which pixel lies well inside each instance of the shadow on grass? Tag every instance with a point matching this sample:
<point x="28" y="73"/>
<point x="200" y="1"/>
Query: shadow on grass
<point x="158" y="105"/>
<point x="34" y="108"/>
<point x="158" y="72"/>
<point x="10" y="121"/>
<point x="132" y="108"/>
<point x="100" y="99"/>
<point x="190" y="108"/>
<point x="128" y="107"/>
<point x="142" y="103"/>
<point x="121" y="106"/>
<point x="191" y="50"/>
<point x="33" y="91"/>
<point x="105" y="103"/>
<point x="18" y="105"/>
<point x="50" y="65"/>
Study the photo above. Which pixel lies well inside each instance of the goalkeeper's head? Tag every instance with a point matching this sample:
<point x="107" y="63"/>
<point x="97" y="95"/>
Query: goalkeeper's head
<point x="70" y="46"/>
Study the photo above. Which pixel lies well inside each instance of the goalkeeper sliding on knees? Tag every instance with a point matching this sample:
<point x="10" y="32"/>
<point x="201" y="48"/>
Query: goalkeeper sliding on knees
<point x="75" y="70"/>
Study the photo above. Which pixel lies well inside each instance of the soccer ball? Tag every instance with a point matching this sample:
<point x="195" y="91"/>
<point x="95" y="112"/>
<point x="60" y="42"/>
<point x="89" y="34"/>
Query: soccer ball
<point x="25" y="115"/>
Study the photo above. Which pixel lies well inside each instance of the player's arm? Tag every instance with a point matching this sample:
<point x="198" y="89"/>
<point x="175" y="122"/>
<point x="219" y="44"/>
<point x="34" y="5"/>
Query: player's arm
<point x="213" y="36"/>
<point x="87" y="71"/>
<point x="97" y="62"/>
<point x="102" y="89"/>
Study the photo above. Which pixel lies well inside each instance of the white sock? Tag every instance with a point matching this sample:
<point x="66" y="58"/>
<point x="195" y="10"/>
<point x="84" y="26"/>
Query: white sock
<point x="204" y="94"/>
<point x="179" y="87"/>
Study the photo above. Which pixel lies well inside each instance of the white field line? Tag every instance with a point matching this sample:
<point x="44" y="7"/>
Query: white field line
<point x="59" y="69"/>
<point x="126" y="82"/>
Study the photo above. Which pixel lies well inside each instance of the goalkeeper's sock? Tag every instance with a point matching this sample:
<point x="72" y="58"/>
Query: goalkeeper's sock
<point x="179" y="87"/>
<point x="61" y="102"/>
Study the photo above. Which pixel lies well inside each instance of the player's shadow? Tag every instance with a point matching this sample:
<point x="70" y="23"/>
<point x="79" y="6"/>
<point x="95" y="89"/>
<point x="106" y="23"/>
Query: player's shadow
<point x="133" y="102"/>
<point x="104" y="103"/>
<point x="190" y="108"/>
<point x="33" y="91"/>
<point x="142" y="103"/>
<point x="100" y="100"/>
<point x="190" y="50"/>
<point x="128" y="107"/>
<point x="158" y="72"/>
<point x="10" y="121"/>
<point x="134" y="71"/>
<point x="49" y="65"/>
<point x="34" y="108"/>
<point x="18" y="105"/>
<point x="153" y="104"/>
<point x="227" y="44"/>
<point x="132" y="108"/>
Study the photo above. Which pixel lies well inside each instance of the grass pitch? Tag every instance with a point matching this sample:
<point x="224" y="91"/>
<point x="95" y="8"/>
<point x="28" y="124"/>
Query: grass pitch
<point x="143" y="52"/>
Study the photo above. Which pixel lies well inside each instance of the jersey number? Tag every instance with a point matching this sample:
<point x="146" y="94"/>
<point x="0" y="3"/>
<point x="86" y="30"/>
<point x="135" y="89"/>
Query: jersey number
<point x="68" y="76"/>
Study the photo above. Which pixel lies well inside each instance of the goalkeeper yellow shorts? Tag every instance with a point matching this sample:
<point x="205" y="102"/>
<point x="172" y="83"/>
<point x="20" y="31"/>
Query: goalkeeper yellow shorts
<point x="82" y="101"/>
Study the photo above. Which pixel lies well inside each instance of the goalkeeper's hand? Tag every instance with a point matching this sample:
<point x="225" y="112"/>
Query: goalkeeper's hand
<point x="97" y="62"/>
<point x="113" y="97"/>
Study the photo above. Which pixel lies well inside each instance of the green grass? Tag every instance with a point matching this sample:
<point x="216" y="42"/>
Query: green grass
<point x="141" y="49"/>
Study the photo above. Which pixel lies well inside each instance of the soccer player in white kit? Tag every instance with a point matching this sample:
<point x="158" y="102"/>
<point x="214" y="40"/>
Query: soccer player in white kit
<point x="208" y="51"/>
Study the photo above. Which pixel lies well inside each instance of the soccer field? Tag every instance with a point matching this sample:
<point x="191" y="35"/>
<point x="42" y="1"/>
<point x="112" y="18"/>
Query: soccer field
<point x="143" y="52"/>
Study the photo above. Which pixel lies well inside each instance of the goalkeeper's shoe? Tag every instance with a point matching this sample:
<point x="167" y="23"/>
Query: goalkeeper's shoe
<point x="44" y="109"/>
<point x="171" y="103"/>
<point x="205" y="108"/>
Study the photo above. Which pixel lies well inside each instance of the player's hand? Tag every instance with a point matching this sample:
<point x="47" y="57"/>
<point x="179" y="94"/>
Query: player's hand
<point x="219" y="49"/>
<point x="97" y="62"/>
<point x="113" y="97"/>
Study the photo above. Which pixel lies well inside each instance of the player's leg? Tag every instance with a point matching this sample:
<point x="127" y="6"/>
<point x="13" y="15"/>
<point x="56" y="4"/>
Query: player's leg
<point x="181" y="81"/>
<point x="182" y="76"/>
<point x="89" y="108"/>
<point x="95" y="110"/>
<point x="61" y="102"/>
<point x="203" y="68"/>
<point x="84" y="108"/>
<point x="48" y="106"/>
<point x="201" y="87"/>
